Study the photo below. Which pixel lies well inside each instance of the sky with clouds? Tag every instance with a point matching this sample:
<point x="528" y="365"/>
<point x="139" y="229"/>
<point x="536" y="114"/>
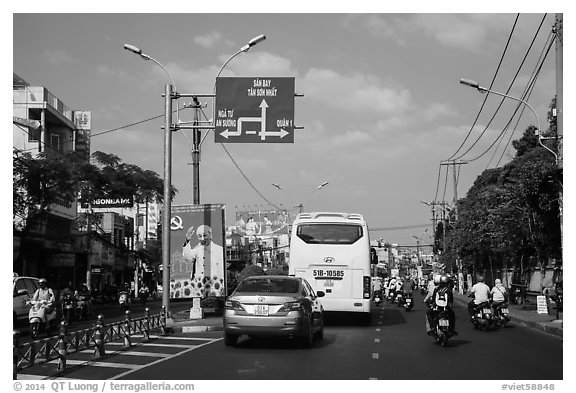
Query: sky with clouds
<point x="382" y="104"/>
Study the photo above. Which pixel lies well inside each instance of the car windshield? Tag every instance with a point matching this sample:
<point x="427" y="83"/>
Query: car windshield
<point x="329" y="233"/>
<point x="268" y="285"/>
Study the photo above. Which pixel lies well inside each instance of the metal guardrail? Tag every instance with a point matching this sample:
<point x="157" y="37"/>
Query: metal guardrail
<point x="58" y="347"/>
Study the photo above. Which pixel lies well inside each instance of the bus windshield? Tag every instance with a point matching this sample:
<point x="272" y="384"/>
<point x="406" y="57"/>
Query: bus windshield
<point x="329" y="233"/>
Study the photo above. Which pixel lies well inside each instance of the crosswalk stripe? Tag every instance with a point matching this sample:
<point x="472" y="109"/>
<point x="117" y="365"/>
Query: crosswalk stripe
<point x="30" y="376"/>
<point x="136" y="353"/>
<point x="99" y="364"/>
<point x="173" y="338"/>
<point x="138" y="347"/>
<point x="170" y="345"/>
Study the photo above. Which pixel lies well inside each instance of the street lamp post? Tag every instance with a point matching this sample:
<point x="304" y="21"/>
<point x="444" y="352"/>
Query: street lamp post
<point x="481" y="89"/>
<point x="170" y="95"/>
<point x="168" y="128"/>
<point x="316" y="189"/>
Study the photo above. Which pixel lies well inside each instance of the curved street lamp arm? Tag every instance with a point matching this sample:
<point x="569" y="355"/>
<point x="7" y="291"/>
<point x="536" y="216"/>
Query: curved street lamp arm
<point x="481" y="89"/>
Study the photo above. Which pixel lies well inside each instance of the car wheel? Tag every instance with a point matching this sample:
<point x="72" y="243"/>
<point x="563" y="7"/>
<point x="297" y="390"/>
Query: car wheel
<point x="320" y="333"/>
<point x="230" y="339"/>
<point x="308" y="337"/>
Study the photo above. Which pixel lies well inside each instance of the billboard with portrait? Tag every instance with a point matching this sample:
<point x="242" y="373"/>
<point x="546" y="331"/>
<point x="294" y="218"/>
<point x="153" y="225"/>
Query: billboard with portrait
<point x="261" y="223"/>
<point x="197" y="251"/>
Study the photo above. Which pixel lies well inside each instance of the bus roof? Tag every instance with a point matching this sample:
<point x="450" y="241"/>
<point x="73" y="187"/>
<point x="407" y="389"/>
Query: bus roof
<point x="330" y="217"/>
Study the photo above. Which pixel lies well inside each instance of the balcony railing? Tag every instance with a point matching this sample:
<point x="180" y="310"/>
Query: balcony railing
<point x="39" y="95"/>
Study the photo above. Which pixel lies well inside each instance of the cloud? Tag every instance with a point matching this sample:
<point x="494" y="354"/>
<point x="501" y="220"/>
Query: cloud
<point x="465" y="31"/>
<point x="108" y="71"/>
<point x="356" y="92"/>
<point x="393" y="28"/>
<point x="209" y="40"/>
<point x="351" y="138"/>
<point x="60" y="57"/>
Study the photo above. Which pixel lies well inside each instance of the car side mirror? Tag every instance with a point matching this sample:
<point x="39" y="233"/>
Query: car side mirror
<point x="320" y="293"/>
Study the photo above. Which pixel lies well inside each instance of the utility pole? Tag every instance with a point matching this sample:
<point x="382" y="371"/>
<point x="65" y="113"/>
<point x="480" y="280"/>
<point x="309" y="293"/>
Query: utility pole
<point x="196" y="153"/>
<point x="455" y="176"/>
<point x="559" y="30"/>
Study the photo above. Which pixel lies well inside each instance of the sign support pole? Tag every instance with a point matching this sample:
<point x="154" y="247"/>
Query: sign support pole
<point x="167" y="204"/>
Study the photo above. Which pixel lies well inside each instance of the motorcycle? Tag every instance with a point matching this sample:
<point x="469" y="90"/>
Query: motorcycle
<point x="408" y="302"/>
<point x="67" y="307"/>
<point x="423" y="289"/>
<point x="399" y="298"/>
<point x="42" y="317"/>
<point x="377" y="298"/>
<point x="391" y="296"/>
<point x="82" y="307"/>
<point x="501" y="314"/>
<point x="482" y="318"/>
<point x="124" y="300"/>
<point x="441" y="328"/>
<point x="143" y="293"/>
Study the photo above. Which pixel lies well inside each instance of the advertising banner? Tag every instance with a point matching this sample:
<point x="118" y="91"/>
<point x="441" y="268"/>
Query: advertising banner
<point x="261" y="223"/>
<point x="197" y="244"/>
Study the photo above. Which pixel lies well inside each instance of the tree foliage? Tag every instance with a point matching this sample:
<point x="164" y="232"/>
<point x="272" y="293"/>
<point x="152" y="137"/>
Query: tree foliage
<point x="510" y="213"/>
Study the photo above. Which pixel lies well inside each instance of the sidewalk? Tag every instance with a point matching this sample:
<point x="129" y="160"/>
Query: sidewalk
<point x="526" y="315"/>
<point x="183" y="324"/>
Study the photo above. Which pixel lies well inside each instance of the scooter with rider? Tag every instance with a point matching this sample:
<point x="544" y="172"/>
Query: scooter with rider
<point x="42" y="314"/>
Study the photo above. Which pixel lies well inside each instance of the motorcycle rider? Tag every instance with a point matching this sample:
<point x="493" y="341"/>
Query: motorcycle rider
<point x="66" y="291"/>
<point x="432" y="285"/>
<point x="442" y="289"/>
<point x="377" y="288"/>
<point x="45" y="293"/>
<point x="408" y="286"/>
<point x="498" y="293"/>
<point x="143" y="292"/>
<point x="481" y="293"/>
<point x="392" y="288"/>
<point x="85" y="293"/>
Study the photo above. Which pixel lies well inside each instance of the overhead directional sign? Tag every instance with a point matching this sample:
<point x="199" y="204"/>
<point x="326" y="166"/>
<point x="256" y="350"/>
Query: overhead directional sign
<point x="254" y="110"/>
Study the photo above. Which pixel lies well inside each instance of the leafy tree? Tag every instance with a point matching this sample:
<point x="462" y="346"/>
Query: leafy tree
<point x="510" y="213"/>
<point x="43" y="181"/>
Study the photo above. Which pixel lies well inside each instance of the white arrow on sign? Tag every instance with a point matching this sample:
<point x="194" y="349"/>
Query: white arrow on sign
<point x="262" y="120"/>
<point x="226" y="133"/>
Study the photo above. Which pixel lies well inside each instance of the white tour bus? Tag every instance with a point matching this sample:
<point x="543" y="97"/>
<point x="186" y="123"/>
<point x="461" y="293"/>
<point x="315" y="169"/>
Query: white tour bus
<point x="332" y="252"/>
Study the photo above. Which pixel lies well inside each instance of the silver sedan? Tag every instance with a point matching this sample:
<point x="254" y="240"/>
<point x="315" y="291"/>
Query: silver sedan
<point x="274" y="306"/>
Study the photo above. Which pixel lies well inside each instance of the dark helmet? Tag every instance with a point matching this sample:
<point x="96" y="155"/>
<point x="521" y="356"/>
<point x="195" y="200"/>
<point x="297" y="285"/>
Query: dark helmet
<point x="480" y="278"/>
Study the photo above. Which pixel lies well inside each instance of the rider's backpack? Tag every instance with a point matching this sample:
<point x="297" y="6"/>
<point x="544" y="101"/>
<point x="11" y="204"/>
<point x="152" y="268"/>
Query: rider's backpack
<point x="441" y="298"/>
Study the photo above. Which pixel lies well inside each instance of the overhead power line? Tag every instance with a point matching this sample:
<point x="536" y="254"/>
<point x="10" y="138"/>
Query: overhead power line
<point x="486" y="97"/>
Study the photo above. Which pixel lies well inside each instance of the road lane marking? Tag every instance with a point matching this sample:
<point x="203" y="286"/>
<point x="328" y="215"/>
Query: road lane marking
<point x="376" y="340"/>
<point x="30" y="376"/>
<point x="98" y="364"/>
<point x="126" y="367"/>
<point x="133" y="353"/>
<point x="190" y="349"/>
<point x="375" y="355"/>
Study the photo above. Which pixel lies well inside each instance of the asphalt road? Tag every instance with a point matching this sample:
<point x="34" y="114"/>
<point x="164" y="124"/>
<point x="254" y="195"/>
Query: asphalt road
<point x="393" y="346"/>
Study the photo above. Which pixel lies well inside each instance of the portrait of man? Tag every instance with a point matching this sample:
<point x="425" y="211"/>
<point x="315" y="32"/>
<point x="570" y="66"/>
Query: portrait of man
<point x="207" y="257"/>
